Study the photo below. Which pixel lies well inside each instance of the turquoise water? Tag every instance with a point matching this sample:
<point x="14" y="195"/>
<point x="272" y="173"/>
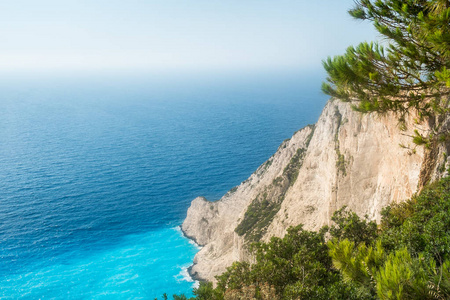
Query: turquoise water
<point x="96" y="173"/>
<point x="139" y="267"/>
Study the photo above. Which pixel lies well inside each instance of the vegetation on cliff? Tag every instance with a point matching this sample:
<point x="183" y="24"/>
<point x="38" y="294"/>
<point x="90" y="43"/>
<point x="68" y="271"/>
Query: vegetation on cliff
<point x="266" y="205"/>
<point x="407" y="256"/>
<point x="411" y="73"/>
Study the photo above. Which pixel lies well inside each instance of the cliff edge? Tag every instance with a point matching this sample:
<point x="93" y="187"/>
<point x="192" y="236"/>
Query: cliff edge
<point x="346" y="158"/>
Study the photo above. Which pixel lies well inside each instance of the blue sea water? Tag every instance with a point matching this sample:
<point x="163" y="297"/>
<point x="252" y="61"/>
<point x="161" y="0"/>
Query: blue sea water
<point x="96" y="173"/>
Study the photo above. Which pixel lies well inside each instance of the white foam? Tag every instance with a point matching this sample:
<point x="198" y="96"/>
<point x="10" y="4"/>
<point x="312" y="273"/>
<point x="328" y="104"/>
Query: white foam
<point x="184" y="275"/>
<point x="196" y="284"/>
<point x="191" y="241"/>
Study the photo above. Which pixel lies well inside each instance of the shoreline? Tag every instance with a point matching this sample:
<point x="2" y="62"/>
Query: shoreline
<point x="193" y="275"/>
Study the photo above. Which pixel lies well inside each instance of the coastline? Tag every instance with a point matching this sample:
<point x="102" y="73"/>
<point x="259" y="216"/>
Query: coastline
<point x="194" y="275"/>
<point x="189" y="237"/>
<point x="348" y="159"/>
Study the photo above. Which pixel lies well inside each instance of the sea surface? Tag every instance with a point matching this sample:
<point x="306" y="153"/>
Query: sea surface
<point x="97" y="172"/>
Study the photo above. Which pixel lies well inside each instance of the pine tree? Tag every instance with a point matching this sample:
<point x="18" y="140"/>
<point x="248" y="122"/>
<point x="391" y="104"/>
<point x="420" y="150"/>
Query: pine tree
<point x="411" y="73"/>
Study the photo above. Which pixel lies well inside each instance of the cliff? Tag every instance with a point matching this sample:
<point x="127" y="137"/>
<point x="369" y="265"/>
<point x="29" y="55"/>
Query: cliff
<point x="346" y="158"/>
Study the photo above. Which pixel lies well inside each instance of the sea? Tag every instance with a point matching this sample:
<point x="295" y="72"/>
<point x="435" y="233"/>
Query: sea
<point x="97" y="172"/>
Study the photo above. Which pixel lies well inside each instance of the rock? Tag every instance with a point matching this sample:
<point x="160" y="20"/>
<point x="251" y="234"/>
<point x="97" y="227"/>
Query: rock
<point x="345" y="159"/>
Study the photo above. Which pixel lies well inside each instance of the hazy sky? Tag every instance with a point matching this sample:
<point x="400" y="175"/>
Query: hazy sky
<point x="174" y="34"/>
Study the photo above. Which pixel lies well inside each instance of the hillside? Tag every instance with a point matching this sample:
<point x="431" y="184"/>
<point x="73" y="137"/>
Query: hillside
<point x="346" y="158"/>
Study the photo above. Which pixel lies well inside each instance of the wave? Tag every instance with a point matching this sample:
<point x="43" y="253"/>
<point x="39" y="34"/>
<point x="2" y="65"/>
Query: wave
<point x="191" y="241"/>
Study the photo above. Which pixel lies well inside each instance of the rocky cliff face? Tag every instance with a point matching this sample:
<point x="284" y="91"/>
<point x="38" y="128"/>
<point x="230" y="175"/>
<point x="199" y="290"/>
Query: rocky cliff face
<point x="345" y="159"/>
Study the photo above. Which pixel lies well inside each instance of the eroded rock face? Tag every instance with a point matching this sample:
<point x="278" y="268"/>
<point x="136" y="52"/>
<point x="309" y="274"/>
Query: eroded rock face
<point x="212" y="224"/>
<point x="346" y="159"/>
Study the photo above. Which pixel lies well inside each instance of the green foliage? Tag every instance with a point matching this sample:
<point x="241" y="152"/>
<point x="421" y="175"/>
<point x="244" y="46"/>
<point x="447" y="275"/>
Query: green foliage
<point x="233" y="190"/>
<point x="412" y="72"/>
<point x="340" y="162"/>
<point x="292" y="169"/>
<point x="357" y="263"/>
<point x="348" y="225"/>
<point x="236" y="276"/>
<point x="180" y="297"/>
<point x="396" y="275"/>
<point x="263" y="209"/>
<point x="421" y="223"/>
<point x="205" y="291"/>
<point x="296" y="266"/>
<point x="257" y="218"/>
<point x="410" y="258"/>
<point x="176" y="297"/>
<point x="402" y="277"/>
<point x="406" y="257"/>
<point x="300" y="254"/>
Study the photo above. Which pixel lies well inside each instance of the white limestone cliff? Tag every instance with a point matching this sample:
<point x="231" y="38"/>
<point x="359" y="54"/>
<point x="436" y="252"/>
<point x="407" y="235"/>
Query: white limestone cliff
<point x="347" y="158"/>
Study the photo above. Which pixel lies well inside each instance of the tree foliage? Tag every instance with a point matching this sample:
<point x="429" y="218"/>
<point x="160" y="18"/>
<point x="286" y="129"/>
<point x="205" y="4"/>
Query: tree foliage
<point x="410" y="259"/>
<point x="294" y="267"/>
<point x="410" y="73"/>
<point x="406" y="257"/>
<point x="348" y="225"/>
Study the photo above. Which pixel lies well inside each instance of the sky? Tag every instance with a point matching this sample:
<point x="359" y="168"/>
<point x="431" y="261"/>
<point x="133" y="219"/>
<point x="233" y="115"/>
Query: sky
<point x="189" y="35"/>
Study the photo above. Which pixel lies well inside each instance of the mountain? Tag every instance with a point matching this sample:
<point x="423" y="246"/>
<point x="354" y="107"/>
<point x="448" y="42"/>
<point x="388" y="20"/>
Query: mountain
<point x="345" y="159"/>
